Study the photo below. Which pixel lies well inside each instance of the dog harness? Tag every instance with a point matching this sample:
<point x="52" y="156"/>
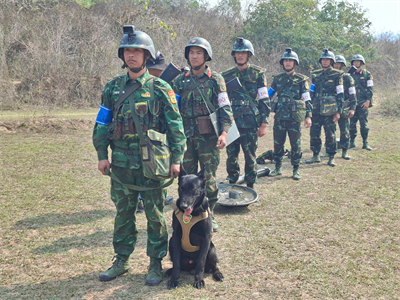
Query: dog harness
<point x="187" y="226"/>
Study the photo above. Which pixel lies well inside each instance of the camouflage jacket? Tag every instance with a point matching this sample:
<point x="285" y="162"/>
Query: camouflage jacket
<point x="160" y="114"/>
<point x="213" y="88"/>
<point x="297" y="85"/>
<point x="349" y="91"/>
<point x="254" y="85"/>
<point x="327" y="83"/>
<point x="364" y="86"/>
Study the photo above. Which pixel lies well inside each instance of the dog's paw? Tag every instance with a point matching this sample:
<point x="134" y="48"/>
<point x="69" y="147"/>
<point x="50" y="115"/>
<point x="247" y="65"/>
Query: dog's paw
<point x="218" y="276"/>
<point x="199" y="284"/>
<point x="168" y="273"/>
<point x="173" y="283"/>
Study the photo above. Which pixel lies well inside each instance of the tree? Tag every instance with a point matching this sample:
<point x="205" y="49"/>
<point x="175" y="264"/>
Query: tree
<point x="309" y="26"/>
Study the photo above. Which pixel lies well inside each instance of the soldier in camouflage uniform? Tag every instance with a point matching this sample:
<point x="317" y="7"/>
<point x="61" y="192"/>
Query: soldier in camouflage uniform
<point x="350" y="103"/>
<point x="201" y="92"/>
<point x="250" y="105"/>
<point x="327" y="99"/>
<point x="365" y="89"/>
<point x="115" y="128"/>
<point x="289" y="86"/>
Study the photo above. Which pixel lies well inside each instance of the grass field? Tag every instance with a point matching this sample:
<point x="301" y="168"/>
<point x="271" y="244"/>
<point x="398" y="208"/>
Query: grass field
<point x="335" y="234"/>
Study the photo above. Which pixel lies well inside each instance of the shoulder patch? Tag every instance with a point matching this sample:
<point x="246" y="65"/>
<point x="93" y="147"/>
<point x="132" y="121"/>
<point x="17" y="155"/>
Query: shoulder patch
<point x="172" y="97"/>
<point x="306" y="85"/>
<point x="222" y="85"/>
<point x="340" y="80"/>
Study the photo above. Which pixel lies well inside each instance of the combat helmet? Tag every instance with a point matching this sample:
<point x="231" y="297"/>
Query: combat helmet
<point x="199" y="42"/>
<point x="242" y="45"/>
<point x="358" y="57"/>
<point x="289" y="54"/>
<point x="340" y="59"/>
<point x="135" y="39"/>
<point x="327" y="54"/>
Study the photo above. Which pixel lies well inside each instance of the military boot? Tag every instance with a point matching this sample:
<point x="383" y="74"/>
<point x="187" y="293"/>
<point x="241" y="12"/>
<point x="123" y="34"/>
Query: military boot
<point x="154" y="275"/>
<point x="296" y="173"/>
<point x="331" y="161"/>
<point x="365" y="146"/>
<point x="344" y="154"/>
<point x="277" y="171"/>
<point x="119" y="267"/>
<point x="352" y="143"/>
<point x="315" y="159"/>
<point x="324" y="155"/>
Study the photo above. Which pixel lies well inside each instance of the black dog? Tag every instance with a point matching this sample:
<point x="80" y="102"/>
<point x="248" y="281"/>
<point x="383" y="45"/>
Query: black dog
<point x="193" y="251"/>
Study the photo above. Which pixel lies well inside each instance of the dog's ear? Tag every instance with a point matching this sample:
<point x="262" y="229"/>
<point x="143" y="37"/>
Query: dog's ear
<point x="201" y="174"/>
<point x="182" y="172"/>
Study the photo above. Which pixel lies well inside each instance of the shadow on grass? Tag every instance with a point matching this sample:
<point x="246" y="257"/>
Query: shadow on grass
<point x="54" y="220"/>
<point x="231" y="210"/>
<point x="87" y="286"/>
<point x="91" y="241"/>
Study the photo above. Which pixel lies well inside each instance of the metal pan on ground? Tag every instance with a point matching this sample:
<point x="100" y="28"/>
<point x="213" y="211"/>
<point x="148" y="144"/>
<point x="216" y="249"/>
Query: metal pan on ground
<point x="236" y="195"/>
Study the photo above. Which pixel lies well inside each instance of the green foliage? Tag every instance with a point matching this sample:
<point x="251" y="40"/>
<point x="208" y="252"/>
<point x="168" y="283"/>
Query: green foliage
<point x="87" y="3"/>
<point x="231" y="8"/>
<point x="309" y="26"/>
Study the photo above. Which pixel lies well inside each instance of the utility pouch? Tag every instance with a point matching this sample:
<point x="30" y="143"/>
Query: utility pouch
<point x="205" y="125"/>
<point x="298" y="110"/>
<point x="156" y="156"/>
<point x="328" y="106"/>
<point x="114" y="131"/>
<point x="345" y="110"/>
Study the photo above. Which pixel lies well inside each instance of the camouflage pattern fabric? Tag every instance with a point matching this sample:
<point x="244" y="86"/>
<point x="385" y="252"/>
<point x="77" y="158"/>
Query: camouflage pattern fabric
<point x="364" y="87"/>
<point x="202" y="148"/>
<point x="344" y="126"/>
<point x="318" y="122"/>
<point x="292" y="128"/>
<point x="248" y="140"/>
<point x="344" y="123"/>
<point x="297" y="85"/>
<point x="252" y="79"/>
<point x="326" y="83"/>
<point x="126" y="201"/>
<point x="162" y="115"/>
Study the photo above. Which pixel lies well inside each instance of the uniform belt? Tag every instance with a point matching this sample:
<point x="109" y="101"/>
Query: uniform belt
<point x="240" y="102"/>
<point x="190" y="122"/>
<point x="126" y="151"/>
<point x="284" y="99"/>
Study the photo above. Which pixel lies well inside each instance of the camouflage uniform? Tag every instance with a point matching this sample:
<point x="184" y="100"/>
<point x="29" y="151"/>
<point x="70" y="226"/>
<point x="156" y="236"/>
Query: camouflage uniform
<point x="202" y="147"/>
<point x="296" y="84"/>
<point x="161" y="115"/>
<point x="364" y="87"/>
<point x="326" y="83"/>
<point x="344" y="122"/>
<point x="253" y="82"/>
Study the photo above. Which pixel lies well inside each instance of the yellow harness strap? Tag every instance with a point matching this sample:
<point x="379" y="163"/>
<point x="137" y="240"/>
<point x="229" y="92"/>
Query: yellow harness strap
<point x="186" y="227"/>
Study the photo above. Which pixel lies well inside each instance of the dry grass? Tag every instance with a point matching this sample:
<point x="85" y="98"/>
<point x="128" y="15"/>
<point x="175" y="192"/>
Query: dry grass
<point x="332" y="235"/>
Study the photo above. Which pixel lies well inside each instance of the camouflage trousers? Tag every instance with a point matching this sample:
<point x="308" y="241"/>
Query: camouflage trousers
<point x="203" y="148"/>
<point x="344" y="125"/>
<point x="318" y="122"/>
<point x="293" y="130"/>
<point x="249" y="141"/>
<point x="362" y="116"/>
<point x="126" y="201"/>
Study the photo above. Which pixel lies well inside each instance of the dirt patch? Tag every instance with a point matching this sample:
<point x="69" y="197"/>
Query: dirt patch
<point x="57" y="125"/>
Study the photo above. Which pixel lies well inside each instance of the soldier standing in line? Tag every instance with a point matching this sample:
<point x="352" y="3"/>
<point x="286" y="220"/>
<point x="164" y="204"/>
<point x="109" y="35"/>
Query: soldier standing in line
<point x="327" y="99"/>
<point x="292" y="106"/>
<point x="250" y="106"/>
<point x="201" y="94"/>
<point x="154" y="103"/>
<point x="365" y="89"/>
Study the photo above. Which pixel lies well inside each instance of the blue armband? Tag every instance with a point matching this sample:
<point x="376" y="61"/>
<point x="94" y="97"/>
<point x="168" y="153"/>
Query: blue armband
<point x="178" y="99"/>
<point x="104" y="117"/>
<point x="312" y="88"/>
<point x="271" y="92"/>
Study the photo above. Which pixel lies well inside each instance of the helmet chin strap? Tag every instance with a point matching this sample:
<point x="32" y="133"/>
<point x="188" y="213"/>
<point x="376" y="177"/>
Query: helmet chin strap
<point x="198" y="67"/>
<point x="247" y="60"/>
<point x="137" y="70"/>
<point x="286" y="70"/>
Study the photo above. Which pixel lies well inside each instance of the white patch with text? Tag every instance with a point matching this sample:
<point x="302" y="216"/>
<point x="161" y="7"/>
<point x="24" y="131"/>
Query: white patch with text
<point x="262" y="92"/>
<point x="223" y="99"/>
<point x="370" y="83"/>
<point x="306" y="96"/>
<point x="352" y="90"/>
<point x="339" y="89"/>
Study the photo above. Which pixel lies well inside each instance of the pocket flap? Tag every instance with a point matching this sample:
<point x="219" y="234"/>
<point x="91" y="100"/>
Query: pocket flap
<point x="157" y="136"/>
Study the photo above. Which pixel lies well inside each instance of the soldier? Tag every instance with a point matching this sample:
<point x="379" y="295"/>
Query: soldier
<point x="155" y="105"/>
<point x="201" y="93"/>
<point x="250" y="106"/>
<point x="349" y="106"/>
<point x="327" y="100"/>
<point x="157" y="65"/>
<point x="292" y="106"/>
<point x="364" y="85"/>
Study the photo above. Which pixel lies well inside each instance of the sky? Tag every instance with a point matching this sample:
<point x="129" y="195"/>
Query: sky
<point x="383" y="14"/>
